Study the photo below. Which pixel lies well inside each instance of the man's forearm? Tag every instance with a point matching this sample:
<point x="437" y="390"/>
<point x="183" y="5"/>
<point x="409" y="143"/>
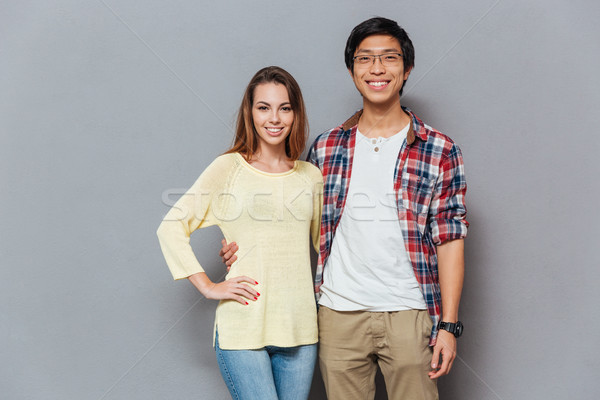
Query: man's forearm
<point x="451" y="270"/>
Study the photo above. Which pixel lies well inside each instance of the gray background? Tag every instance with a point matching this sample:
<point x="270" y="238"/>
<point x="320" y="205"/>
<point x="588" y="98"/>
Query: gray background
<point x="110" y="108"/>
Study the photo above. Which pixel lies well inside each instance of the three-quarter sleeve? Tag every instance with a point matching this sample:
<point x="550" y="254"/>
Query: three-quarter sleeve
<point x="191" y="212"/>
<point x="447" y="219"/>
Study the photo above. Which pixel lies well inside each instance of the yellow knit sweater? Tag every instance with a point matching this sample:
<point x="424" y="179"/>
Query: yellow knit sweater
<point x="270" y="217"/>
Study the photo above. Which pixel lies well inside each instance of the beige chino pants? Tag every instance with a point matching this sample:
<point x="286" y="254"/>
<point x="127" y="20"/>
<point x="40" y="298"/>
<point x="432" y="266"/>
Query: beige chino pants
<point x="353" y="343"/>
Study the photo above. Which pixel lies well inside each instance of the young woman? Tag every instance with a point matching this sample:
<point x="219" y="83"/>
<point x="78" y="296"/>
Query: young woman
<point x="269" y="203"/>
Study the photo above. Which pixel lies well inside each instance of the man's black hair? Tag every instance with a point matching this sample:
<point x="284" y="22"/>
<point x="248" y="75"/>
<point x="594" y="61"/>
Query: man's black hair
<point x="380" y="26"/>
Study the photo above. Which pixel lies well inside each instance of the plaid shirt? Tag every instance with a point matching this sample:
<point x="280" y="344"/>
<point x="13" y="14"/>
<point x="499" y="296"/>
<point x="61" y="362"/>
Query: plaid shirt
<point x="429" y="184"/>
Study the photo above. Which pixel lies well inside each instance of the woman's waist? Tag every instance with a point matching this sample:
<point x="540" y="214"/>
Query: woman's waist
<point x="290" y="309"/>
<point x="272" y="268"/>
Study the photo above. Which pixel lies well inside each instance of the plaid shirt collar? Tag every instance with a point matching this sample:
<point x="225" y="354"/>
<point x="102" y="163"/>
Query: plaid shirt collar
<point x="352" y="123"/>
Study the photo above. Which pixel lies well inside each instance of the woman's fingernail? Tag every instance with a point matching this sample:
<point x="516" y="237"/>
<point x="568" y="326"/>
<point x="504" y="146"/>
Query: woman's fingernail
<point x="256" y="283"/>
<point x="258" y="294"/>
<point x="255" y="298"/>
<point x="246" y="303"/>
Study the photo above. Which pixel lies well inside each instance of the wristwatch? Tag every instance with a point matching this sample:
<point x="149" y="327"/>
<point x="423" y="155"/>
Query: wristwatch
<point x="455" y="328"/>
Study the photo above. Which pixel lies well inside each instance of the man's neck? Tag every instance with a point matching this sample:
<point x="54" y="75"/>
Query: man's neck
<point x="382" y="121"/>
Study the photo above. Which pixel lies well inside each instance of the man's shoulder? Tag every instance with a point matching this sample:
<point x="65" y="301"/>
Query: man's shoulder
<point x="329" y="136"/>
<point x="336" y="135"/>
<point x="431" y="136"/>
<point x="437" y="148"/>
<point x="437" y="136"/>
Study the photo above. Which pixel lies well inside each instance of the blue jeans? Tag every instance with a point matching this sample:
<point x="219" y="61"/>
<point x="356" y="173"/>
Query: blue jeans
<point x="270" y="373"/>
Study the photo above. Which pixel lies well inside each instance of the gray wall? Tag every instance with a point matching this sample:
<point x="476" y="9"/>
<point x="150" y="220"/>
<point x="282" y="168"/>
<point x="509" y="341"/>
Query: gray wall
<point x="108" y="106"/>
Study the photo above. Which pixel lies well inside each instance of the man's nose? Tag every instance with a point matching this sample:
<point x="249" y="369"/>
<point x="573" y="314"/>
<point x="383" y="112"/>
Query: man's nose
<point x="377" y="67"/>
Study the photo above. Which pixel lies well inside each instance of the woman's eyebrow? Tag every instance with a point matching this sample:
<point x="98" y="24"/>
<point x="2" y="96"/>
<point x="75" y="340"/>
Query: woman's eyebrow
<point x="265" y="103"/>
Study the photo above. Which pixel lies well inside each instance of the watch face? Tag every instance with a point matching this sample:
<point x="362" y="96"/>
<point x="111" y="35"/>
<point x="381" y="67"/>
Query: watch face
<point x="458" y="330"/>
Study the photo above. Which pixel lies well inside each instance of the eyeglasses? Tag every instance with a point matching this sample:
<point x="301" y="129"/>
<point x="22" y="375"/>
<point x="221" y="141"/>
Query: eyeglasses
<point x="387" y="59"/>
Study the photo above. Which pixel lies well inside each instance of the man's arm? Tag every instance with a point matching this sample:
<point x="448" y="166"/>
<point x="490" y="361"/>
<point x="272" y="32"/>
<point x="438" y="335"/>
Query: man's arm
<point x="448" y="228"/>
<point x="451" y="270"/>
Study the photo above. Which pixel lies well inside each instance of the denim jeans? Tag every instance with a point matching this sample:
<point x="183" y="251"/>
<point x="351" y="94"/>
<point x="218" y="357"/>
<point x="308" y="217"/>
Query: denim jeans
<point x="270" y="373"/>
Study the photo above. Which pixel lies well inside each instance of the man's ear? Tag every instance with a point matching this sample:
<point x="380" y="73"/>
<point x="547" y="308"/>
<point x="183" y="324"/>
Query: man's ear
<point x="407" y="73"/>
<point x="351" y="72"/>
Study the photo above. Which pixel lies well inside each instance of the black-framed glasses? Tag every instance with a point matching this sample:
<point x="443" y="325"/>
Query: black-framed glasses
<point x="387" y="59"/>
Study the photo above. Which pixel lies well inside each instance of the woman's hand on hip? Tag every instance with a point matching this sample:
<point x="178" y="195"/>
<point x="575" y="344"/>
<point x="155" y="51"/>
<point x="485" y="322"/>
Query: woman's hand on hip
<point x="236" y="288"/>
<point x="233" y="289"/>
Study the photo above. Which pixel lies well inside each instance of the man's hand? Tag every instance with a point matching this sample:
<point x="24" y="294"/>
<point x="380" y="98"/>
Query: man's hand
<point x="444" y="353"/>
<point x="227" y="253"/>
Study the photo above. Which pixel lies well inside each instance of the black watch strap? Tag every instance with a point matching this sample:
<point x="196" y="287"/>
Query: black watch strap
<point x="456" y="328"/>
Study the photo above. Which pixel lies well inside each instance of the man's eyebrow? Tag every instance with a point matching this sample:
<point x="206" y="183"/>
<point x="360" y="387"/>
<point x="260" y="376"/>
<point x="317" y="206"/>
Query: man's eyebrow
<point x="370" y="51"/>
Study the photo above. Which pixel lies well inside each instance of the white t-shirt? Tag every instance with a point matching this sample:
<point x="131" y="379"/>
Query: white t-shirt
<point x="368" y="268"/>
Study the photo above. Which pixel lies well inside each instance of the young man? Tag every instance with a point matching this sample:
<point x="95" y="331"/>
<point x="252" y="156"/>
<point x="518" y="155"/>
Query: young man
<point x="391" y="263"/>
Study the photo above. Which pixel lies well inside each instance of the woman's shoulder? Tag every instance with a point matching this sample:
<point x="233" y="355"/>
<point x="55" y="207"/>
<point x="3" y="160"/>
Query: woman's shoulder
<point x="219" y="170"/>
<point x="310" y="171"/>
<point x="223" y="163"/>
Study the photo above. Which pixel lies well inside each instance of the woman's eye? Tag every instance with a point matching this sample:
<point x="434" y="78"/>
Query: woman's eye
<point x="286" y="109"/>
<point x="262" y="108"/>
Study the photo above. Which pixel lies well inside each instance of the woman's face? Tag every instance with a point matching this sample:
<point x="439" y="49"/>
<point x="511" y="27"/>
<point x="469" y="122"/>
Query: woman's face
<point x="272" y="115"/>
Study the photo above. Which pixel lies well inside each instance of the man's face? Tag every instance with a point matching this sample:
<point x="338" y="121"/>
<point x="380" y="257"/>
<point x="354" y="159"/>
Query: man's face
<point x="379" y="84"/>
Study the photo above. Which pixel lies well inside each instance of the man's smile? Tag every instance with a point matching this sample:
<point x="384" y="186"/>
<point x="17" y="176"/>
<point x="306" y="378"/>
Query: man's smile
<point x="378" y="84"/>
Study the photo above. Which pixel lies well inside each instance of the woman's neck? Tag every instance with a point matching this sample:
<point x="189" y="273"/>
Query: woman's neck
<point x="272" y="160"/>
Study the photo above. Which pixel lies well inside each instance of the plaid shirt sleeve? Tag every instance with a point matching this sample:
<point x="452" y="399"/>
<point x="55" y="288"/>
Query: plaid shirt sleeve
<point x="321" y="148"/>
<point x="316" y="156"/>
<point x="312" y="155"/>
<point x="447" y="210"/>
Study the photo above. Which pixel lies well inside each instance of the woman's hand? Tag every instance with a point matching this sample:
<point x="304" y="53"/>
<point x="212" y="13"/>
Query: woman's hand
<point x="231" y="289"/>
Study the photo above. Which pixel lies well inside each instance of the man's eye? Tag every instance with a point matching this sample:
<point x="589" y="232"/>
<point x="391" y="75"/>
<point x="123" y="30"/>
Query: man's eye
<point x="363" y="59"/>
<point x="392" y="57"/>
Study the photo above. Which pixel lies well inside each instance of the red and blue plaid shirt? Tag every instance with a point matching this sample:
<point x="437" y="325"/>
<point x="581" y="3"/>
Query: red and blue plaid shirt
<point x="430" y="186"/>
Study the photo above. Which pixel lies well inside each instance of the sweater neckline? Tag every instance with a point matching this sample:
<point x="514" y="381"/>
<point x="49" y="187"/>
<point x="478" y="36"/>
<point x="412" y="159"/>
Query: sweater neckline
<point x="261" y="172"/>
